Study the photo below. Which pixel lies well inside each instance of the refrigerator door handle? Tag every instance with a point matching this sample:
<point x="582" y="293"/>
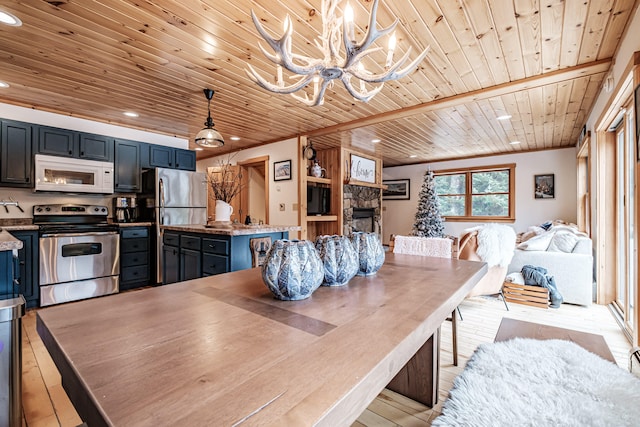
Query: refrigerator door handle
<point x="161" y="191"/>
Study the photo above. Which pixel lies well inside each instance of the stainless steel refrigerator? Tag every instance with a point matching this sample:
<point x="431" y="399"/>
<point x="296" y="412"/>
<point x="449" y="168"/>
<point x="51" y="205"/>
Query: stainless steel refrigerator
<point x="173" y="197"/>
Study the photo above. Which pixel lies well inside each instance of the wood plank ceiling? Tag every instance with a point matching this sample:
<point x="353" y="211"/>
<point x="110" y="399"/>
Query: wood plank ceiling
<point x="542" y="62"/>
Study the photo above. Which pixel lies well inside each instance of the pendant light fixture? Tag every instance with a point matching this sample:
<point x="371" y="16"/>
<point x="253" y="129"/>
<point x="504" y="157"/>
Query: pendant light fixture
<point x="209" y="137"/>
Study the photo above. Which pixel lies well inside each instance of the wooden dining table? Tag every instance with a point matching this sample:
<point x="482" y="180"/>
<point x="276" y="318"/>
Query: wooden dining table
<point x="222" y="351"/>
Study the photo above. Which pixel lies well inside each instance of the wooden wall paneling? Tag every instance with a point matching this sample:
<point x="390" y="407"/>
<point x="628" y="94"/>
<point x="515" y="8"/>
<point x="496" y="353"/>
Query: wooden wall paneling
<point x="549" y="94"/>
<point x="506" y="23"/>
<point x="620" y="11"/>
<point x="595" y="24"/>
<point x="563" y="96"/>
<point x="551" y="25"/>
<point x="302" y="188"/>
<point x="528" y="18"/>
<point x="575" y="13"/>
<point x="484" y="27"/>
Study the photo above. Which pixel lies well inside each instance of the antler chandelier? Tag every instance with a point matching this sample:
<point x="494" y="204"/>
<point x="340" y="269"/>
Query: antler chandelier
<point x="332" y="65"/>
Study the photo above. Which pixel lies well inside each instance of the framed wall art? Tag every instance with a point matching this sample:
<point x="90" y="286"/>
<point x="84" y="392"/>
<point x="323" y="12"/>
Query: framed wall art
<point x="544" y="186"/>
<point x="397" y="189"/>
<point x="282" y="170"/>
<point x="363" y="169"/>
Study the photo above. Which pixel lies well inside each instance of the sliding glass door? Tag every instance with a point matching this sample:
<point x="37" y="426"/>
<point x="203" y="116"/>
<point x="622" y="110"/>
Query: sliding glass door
<point x="626" y="246"/>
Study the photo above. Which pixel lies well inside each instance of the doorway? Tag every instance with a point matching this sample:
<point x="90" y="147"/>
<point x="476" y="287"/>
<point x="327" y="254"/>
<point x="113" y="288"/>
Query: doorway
<point x="254" y="195"/>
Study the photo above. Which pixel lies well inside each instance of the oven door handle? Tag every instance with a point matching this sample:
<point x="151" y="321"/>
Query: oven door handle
<point x="89" y="233"/>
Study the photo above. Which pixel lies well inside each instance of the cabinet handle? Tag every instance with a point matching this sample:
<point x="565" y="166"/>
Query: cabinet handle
<point x="70" y="152"/>
<point x="135" y="273"/>
<point x="26" y="179"/>
<point x="82" y="153"/>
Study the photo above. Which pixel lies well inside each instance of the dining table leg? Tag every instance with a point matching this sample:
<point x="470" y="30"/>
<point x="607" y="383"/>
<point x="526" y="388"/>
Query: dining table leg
<point x="418" y="379"/>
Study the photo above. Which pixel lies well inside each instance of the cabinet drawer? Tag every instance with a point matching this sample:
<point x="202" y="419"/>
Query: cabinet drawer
<point x="134" y="258"/>
<point x="214" y="264"/>
<point x="135" y="273"/>
<point x="171" y="239"/>
<point x="132" y="233"/>
<point x="215" y="246"/>
<point x="134" y="245"/>
<point x="190" y="242"/>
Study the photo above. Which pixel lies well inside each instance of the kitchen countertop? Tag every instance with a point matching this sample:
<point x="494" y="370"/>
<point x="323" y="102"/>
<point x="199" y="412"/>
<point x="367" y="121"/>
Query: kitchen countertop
<point x="15" y="224"/>
<point x="8" y="242"/>
<point x="133" y="224"/>
<point x="235" y="230"/>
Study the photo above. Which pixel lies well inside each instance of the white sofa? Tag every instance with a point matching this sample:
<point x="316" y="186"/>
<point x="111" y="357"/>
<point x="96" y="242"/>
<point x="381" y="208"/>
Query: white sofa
<point x="572" y="269"/>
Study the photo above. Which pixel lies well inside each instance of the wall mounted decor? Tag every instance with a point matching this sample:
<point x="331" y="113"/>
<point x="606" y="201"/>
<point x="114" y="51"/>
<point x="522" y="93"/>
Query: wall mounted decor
<point x="544" y="186"/>
<point x="363" y="169"/>
<point x="397" y="189"/>
<point x="282" y="170"/>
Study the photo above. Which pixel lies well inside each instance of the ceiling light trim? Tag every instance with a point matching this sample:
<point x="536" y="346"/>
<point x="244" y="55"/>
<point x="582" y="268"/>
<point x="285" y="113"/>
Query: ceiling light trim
<point x="9" y="19"/>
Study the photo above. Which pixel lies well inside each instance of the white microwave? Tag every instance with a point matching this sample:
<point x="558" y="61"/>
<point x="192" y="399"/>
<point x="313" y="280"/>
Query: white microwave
<point x="73" y="175"/>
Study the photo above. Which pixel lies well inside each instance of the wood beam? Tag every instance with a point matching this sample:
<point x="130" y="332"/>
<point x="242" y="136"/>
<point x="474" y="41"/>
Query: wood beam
<point x="553" y="77"/>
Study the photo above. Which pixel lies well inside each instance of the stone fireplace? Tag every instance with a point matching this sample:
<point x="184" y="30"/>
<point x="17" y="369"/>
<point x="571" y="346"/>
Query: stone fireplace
<point x="361" y="209"/>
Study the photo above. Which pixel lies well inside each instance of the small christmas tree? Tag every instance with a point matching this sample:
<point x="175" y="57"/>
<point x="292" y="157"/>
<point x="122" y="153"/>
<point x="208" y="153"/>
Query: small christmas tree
<point x="428" y="221"/>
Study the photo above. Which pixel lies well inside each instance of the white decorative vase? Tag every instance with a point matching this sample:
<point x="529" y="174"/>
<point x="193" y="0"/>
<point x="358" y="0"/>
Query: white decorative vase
<point x="223" y="211"/>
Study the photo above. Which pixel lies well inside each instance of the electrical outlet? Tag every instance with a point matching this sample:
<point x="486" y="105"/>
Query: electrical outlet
<point x="282" y="206"/>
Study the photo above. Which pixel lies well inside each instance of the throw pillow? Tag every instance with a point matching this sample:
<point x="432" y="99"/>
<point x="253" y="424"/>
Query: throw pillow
<point x="563" y="242"/>
<point x="538" y="243"/>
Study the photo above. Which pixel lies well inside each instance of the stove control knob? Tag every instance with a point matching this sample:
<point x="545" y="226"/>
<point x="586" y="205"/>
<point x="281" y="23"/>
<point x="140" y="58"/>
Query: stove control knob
<point x="96" y="209"/>
<point x="47" y="209"/>
<point x="104" y="209"/>
<point x="38" y="209"/>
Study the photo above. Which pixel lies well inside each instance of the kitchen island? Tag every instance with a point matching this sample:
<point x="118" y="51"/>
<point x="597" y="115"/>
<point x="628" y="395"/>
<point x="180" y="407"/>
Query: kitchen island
<point x="222" y="351"/>
<point x="193" y="251"/>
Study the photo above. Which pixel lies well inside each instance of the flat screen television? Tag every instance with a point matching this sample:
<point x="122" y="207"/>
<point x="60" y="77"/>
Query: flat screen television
<point x="318" y="200"/>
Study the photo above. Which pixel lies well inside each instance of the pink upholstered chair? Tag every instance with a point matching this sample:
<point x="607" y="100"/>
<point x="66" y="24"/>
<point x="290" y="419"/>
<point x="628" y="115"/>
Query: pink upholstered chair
<point x="428" y="246"/>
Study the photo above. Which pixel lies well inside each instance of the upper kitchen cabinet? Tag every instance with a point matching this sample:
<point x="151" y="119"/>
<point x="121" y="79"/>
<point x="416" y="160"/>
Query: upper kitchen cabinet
<point x="160" y="156"/>
<point x="96" y="147"/>
<point x="57" y="142"/>
<point x="185" y="159"/>
<point x="16" y="160"/>
<point x="68" y="143"/>
<point x="127" y="166"/>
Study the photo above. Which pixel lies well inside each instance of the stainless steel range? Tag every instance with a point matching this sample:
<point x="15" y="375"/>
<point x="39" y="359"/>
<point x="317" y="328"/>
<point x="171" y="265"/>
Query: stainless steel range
<point x="79" y="252"/>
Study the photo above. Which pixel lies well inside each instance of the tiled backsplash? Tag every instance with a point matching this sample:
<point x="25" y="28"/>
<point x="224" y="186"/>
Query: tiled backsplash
<point x="27" y="199"/>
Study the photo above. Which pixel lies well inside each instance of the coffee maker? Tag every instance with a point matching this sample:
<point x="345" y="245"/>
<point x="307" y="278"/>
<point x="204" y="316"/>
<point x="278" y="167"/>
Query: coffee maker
<point x="125" y="209"/>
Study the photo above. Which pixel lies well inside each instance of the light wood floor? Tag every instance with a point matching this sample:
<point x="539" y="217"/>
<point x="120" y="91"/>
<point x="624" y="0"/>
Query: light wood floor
<point x="45" y="403"/>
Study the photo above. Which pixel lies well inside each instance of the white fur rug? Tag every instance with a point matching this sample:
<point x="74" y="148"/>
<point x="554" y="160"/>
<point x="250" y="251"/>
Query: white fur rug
<point x="526" y="382"/>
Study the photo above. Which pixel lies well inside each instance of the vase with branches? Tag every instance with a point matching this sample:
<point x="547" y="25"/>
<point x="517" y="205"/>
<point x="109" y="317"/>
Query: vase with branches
<point x="225" y="181"/>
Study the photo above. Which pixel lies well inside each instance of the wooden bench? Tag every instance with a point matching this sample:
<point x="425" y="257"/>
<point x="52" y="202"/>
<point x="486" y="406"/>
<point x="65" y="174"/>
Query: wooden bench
<point x="512" y="328"/>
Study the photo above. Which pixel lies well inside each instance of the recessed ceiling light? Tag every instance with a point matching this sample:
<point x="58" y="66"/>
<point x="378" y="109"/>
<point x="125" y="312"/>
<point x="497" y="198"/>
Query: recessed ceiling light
<point x="375" y="141"/>
<point x="514" y="142"/>
<point x="235" y="138"/>
<point x="4" y="84"/>
<point x="131" y="114"/>
<point x="413" y="156"/>
<point x="504" y="117"/>
<point x="9" y="19"/>
<point x="198" y="148"/>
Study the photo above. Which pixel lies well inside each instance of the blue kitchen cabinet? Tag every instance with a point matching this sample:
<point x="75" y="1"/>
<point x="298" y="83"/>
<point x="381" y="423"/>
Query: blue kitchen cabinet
<point x="190" y="255"/>
<point x="128" y="175"/>
<point x="96" y="147"/>
<point x="28" y="263"/>
<point x="134" y="257"/>
<point x="8" y="289"/>
<point x="57" y="142"/>
<point x="16" y="154"/>
<point x="161" y="156"/>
